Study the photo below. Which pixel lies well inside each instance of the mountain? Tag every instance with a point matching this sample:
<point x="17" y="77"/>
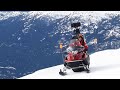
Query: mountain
<point x="103" y="65"/>
<point x="29" y="40"/>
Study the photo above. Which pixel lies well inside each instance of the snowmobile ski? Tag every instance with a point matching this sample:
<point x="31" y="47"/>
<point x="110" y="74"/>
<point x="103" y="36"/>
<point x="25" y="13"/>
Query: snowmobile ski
<point x="62" y="73"/>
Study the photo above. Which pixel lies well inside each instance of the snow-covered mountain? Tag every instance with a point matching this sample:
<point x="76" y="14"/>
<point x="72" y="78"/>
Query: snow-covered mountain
<point x="29" y="40"/>
<point x="103" y="65"/>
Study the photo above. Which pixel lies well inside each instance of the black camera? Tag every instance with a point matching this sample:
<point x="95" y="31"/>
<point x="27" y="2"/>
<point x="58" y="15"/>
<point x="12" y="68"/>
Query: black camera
<point x="76" y="29"/>
<point x="75" y="25"/>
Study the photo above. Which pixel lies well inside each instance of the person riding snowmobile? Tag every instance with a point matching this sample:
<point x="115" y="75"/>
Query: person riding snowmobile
<point x="82" y="42"/>
<point x="76" y="55"/>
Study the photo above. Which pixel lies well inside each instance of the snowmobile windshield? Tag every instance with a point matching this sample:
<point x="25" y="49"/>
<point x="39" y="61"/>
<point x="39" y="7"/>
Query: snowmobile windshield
<point x="72" y="41"/>
<point x="78" y="48"/>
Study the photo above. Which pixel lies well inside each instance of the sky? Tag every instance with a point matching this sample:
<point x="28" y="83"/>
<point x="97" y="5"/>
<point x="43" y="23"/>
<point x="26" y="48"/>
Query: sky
<point x="103" y="65"/>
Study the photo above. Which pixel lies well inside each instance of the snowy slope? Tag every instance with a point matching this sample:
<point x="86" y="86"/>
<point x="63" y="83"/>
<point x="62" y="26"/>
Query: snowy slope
<point x="93" y="15"/>
<point x="104" y="65"/>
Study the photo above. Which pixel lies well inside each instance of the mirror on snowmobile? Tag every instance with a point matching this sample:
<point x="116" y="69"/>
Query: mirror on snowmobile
<point x="61" y="45"/>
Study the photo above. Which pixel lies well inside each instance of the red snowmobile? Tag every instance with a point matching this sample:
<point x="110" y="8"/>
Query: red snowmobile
<point x="75" y="58"/>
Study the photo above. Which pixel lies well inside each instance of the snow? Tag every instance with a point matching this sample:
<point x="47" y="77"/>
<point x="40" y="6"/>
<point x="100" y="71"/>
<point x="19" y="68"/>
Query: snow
<point x="12" y="68"/>
<point x="86" y="15"/>
<point x="104" y="65"/>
